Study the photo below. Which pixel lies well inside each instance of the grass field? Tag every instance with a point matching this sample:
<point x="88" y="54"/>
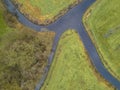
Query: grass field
<point x="3" y="26"/>
<point x="7" y="21"/>
<point x="23" y="53"/>
<point x="104" y="28"/>
<point x="71" y="68"/>
<point x="44" y="10"/>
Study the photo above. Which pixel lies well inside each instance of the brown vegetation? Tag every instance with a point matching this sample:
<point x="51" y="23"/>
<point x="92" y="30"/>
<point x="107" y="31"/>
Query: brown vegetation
<point x="23" y="56"/>
<point x="23" y="53"/>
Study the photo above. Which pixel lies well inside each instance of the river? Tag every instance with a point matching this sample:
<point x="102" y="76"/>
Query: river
<point x="71" y="20"/>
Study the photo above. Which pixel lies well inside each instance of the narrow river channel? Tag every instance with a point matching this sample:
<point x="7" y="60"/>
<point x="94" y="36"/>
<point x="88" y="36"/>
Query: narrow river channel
<point x="71" y="20"/>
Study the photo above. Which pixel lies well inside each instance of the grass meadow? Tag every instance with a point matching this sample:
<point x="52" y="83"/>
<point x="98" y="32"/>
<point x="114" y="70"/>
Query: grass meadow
<point x="103" y="25"/>
<point x="71" y="68"/>
<point x="43" y="10"/>
<point x="3" y="26"/>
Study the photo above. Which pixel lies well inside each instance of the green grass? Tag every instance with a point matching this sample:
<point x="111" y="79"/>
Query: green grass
<point x="104" y="24"/>
<point x="44" y="10"/>
<point x="49" y="6"/>
<point x="71" y="69"/>
<point x="3" y="26"/>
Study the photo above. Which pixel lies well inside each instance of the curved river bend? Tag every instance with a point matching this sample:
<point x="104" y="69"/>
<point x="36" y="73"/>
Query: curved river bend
<point x="71" y="20"/>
